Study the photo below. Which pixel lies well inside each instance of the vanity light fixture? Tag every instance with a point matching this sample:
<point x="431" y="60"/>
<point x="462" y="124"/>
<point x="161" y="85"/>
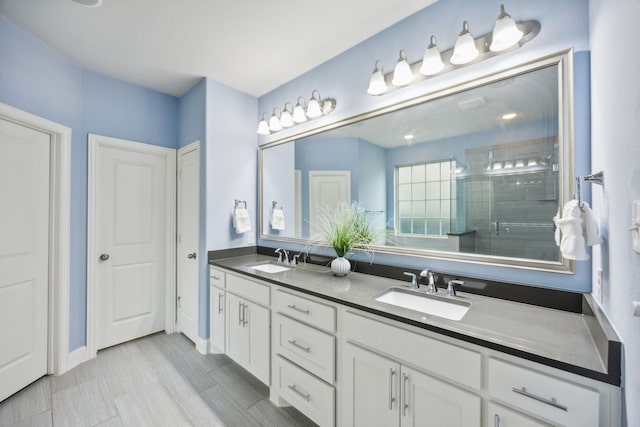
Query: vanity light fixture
<point x="402" y="74"/>
<point x="507" y="35"/>
<point x="313" y="108"/>
<point x="299" y="116"/>
<point x="263" y="126"/>
<point x="290" y="116"/>
<point x="274" y="122"/>
<point x="465" y="49"/>
<point x="285" y="118"/>
<point x="377" y="85"/>
<point x="432" y="60"/>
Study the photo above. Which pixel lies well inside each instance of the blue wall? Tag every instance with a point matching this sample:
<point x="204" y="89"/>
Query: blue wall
<point x="564" y="25"/>
<point x="37" y="79"/>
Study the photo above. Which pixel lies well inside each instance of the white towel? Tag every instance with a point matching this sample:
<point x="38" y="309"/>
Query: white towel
<point x="576" y="229"/>
<point x="277" y="219"/>
<point x="241" y="220"/>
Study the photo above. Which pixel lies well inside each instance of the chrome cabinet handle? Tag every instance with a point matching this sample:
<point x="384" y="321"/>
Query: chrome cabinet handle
<point x="295" y="344"/>
<point x="305" y="396"/>
<point x="104" y="257"/>
<point x="301" y="310"/>
<point x="244" y="314"/>
<point x="405" y="392"/>
<point x="496" y="420"/>
<point x="240" y="313"/>
<point x="551" y="402"/>
<point x="192" y="255"/>
<point x="220" y="302"/>
<point x="391" y="398"/>
<point x="215" y="277"/>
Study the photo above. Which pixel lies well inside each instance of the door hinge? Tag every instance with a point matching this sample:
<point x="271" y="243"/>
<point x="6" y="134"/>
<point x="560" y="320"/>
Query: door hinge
<point x="179" y="302"/>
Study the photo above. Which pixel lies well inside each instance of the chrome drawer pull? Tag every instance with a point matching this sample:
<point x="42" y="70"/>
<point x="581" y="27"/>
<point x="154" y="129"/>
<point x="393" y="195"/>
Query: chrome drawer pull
<point x="301" y="310"/>
<point x="215" y="277"/>
<point x="220" y="302"/>
<point x="551" y="402"/>
<point x="306" y="397"/>
<point x="391" y="398"/>
<point x="303" y="348"/>
<point x="405" y="394"/>
<point x="496" y="420"/>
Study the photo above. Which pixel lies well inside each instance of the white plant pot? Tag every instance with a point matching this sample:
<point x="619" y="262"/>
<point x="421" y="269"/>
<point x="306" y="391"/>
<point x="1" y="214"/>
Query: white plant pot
<point x="340" y="266"/>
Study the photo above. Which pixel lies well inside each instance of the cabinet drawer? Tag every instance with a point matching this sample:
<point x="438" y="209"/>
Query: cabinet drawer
<point x="312" y="397"/>
<point x="308" y="347"/>
<point x="216" y="277"/>
<point x="547" y="397"/>
<point x="319" y="315"/>
<point x="499" y="416"/>
<point x="446" y="360"/>
<point x="248" y="289"/>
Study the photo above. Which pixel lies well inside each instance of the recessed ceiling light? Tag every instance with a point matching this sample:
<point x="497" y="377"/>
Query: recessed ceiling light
<point x="88" y="3"/>
<point x="409" y="137"/>
<point x="509" y="116"/>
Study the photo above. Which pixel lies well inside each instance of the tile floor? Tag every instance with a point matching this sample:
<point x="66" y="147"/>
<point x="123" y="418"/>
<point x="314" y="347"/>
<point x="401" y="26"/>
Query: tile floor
<point x="159" y="380"/>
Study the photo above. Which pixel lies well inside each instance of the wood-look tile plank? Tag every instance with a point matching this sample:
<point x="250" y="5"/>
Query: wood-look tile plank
<point x="86" y="404"/>
<point x="228" y="409"/>
<point x="111" y="422"/>
<point x="245" y="388"/>
<point x="26" y="403"/>
<point x="42" y="419"/>
<point x="150" y="405"/>
<point x="270" y="415"/>
<point x="200" y="413"/>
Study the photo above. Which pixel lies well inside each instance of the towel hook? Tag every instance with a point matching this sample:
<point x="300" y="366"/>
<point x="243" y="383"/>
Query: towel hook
<point x="238" y="203"/>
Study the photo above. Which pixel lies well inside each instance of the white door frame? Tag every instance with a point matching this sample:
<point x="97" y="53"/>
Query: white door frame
<point x="58" y="357"/>
<point x="170" y="237"/>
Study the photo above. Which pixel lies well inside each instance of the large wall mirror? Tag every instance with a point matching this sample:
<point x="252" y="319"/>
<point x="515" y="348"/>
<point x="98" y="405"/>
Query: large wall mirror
<point x="474" y="172"/>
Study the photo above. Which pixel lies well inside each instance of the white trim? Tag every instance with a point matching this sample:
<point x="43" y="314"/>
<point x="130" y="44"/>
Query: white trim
<point x="78" y="356"/>
<point x="170" y="236"/>
<point x="59" y="233"/>
<point x="202" y="345"/>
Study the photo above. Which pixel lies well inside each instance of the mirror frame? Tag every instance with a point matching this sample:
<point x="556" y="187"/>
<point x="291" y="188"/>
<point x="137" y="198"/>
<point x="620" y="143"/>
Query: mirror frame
<point x="564" y="61"/>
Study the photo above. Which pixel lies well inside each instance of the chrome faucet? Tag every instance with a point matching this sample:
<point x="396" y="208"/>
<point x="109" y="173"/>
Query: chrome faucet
<point x="414" y="281"/>
<point x="283" y="255"/>
<point x="451" y="291"/>
<point x="431" y="283"/>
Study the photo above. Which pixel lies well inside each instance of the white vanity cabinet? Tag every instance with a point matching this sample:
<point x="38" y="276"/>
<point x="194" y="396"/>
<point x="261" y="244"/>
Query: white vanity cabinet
<point x="217" y="296"/>
<point x="381" y="387"/>
<point x="248" y="325"/>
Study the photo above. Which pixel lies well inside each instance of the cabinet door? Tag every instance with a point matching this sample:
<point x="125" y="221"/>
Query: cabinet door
<point x="258" y="323"/>
<point x="218" y="311"/>
<point x="370" y="397"/>
<point x="499" y="416"/>
<point x="426" y="401"/>
<point x="237" y="337"/>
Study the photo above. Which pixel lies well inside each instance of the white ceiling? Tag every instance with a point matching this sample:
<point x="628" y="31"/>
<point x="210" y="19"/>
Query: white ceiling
<point x="168" y="45"/>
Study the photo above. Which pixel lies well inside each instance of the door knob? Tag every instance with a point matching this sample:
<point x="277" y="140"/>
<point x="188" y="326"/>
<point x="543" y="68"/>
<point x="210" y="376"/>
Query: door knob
<point x="104" y="257"/>
<point x="192" y="256"/>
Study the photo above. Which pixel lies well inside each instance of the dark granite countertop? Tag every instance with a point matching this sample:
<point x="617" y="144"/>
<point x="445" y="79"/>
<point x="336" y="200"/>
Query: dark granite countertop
<point x="582" y="343"/>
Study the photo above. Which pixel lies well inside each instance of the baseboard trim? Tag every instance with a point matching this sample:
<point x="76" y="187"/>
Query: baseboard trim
<point x="78" y="356"/>
<point x="202" y="345"/>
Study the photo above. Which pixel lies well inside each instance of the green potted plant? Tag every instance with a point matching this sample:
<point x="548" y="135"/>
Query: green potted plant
<point x="345" y="227"/>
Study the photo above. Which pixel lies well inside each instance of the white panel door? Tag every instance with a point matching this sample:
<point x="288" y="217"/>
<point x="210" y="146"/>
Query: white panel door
<point x="188" y="239"/>
<point x="130" y="223"/>
<point x="24" y="255"/>
<point x="327" y="189"/>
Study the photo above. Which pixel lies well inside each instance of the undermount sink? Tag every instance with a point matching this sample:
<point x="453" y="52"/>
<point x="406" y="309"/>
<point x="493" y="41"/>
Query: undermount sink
<point x="270" y="268"/>
<point x="424" y="303"/>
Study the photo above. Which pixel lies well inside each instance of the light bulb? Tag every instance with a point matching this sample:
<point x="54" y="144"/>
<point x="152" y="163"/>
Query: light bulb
<point x="432" y="60"/>
<point x="285" y="118"/>
<point x="274" y="122"/>
<point x="299" y="115"/>
<point x="377" y="85"/>
<point x="505" y="34"/>
<point x="465" y="49"/>
<point x="402" y="74"/>
<point x="263" y="127"/>
<point x="313" y="108"/>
